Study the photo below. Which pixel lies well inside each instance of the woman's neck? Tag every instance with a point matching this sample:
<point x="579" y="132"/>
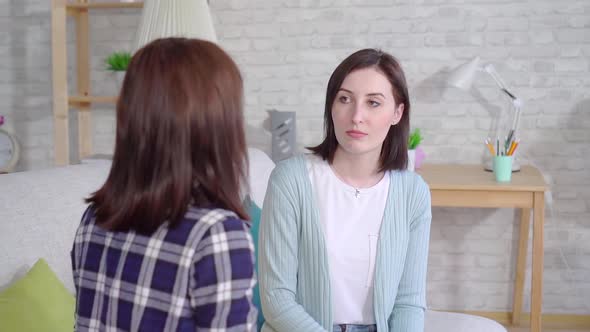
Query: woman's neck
<point x="358" y="170"/>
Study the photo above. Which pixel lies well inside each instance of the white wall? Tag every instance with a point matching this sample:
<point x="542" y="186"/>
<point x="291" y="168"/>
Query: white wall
<point x="287" y="50"/>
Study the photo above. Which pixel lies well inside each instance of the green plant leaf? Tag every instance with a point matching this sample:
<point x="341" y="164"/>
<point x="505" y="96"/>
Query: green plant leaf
<point x="118" y="61"/>
<point x="415" y="139"/>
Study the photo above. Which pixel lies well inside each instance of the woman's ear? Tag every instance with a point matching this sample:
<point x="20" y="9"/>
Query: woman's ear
<point x="397" y="114"/>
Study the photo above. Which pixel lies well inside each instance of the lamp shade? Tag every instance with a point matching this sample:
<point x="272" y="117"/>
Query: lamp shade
<point x="462" y="76"/>
<point x="174" y="18"/>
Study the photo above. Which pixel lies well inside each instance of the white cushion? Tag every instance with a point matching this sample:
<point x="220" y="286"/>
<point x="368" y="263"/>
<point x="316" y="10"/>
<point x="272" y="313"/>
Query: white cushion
<point x="39" y="214"/>
<point x="440" y="321"/>
<point x="260" y="168"/>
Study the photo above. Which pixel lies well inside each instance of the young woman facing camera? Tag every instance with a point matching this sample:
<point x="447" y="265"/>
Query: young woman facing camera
<point x="344" y="230"/>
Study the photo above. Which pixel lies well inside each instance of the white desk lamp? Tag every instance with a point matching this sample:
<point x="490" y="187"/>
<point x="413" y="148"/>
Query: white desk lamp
<point x="462" y="78"/>
<point x="174" y="18"/>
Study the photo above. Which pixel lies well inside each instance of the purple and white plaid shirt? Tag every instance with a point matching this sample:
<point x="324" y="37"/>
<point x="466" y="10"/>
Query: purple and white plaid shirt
<point x="197" y="276"/>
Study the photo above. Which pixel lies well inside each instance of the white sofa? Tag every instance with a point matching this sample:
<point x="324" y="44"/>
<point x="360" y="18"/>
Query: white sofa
<point x="40" y="211"/>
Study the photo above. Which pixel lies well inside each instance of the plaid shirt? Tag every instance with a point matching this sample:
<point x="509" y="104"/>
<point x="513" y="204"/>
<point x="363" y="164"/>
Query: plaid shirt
<point x="198" y="276"/>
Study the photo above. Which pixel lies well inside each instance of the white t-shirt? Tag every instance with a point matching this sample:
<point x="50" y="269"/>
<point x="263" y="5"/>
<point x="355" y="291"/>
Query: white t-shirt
<point x="350" y="219"/>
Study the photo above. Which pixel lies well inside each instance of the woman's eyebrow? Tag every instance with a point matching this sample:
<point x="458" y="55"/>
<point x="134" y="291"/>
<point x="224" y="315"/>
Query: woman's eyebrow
<point x="368" y="94"/>
<point x="376" y="94"/>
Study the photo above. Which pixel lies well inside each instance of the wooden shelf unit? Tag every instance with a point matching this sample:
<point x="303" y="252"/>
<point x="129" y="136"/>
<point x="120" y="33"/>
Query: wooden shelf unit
<point x="77" y="100"/>
<point x="83" y="100"/>
<point x="103" y="5"/>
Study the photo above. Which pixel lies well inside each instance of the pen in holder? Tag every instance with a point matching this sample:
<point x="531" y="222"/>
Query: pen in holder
<point x="503" y="168"/>
<point x="508" y="149"/>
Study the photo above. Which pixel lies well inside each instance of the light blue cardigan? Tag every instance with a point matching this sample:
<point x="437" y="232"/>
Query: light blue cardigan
<point x="293" y="264"/>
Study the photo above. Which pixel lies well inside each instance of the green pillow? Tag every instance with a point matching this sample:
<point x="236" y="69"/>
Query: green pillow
<point x="37" y="302"/>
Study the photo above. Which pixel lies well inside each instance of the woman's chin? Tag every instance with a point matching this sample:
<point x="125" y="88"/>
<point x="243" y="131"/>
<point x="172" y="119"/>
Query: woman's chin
<point x="358" y="148"/>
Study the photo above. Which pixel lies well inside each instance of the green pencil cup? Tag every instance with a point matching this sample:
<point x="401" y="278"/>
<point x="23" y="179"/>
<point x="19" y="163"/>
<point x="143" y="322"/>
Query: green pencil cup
<point x="503" y="168"/>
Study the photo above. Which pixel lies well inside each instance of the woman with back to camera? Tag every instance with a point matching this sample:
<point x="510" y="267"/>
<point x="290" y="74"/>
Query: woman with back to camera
<point x="344" y="230"/>
<point x="163" y="245"/>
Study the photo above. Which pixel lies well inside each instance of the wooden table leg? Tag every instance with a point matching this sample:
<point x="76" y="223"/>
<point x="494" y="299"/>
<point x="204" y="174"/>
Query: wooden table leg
<point x="523" y="240"/>
<point x="538" y="254"/>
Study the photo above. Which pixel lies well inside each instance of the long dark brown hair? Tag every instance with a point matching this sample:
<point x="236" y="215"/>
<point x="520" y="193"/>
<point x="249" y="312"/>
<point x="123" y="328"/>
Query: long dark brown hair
<point x="394" y="154"/>
<point x="180" y="137"/>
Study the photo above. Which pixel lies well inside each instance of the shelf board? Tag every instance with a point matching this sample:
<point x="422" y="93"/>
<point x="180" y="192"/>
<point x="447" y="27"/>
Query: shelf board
<point x="74" y="100"/>
<point x="103" y="5"/>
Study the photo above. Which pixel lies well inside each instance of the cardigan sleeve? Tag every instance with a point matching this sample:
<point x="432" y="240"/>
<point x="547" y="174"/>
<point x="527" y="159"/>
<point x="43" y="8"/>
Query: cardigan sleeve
<point x="410" y="303"/>
<point x="278" y="262"/>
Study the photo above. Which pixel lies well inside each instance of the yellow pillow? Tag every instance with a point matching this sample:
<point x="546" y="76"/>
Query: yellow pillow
<point x="37" y="302"/>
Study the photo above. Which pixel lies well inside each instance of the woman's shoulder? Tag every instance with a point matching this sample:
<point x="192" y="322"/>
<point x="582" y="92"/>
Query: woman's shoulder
<point x="291" y="168"/>
<point x="198" y="222"/>
<point x="208" y="216"/>
<point x="292" y="162"/>
<point x="89" y="214"/>
<point x="411" y="188"/>
<point x="409" y="180"/>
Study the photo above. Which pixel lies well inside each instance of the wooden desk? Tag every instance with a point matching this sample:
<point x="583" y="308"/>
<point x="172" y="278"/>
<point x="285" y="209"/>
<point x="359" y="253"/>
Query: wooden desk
<point x="471" y="186"/>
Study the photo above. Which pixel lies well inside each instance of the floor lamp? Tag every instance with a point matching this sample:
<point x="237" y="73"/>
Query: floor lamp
<point x="174" y="18"/>
<point x="463" y="76"/>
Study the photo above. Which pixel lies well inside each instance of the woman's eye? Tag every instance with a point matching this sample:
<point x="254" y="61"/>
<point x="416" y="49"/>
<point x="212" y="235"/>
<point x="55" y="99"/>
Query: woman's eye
<point x="344" y="99"/>
<point x="374" y="103"/>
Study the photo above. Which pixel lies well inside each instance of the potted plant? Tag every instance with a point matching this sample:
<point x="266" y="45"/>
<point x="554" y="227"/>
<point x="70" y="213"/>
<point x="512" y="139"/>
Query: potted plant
<point x="117" y="63"/>
<point x="413" y="142"/>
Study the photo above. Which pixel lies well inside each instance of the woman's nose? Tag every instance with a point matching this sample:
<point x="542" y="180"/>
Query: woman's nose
<point x="358" y="113"/>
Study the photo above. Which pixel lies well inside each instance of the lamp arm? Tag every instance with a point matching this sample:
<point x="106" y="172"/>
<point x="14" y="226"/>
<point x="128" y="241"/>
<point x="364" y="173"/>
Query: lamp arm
<point x="516" y="102"/>
<point x="489" y="68"/>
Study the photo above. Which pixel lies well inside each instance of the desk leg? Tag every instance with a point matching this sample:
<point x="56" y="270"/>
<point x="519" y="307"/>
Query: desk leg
<point x="538" y="254"/>
<point x="523" y="240"/>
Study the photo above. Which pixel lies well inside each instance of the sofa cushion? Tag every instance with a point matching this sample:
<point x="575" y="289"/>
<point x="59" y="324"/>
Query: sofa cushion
<point x="37" y="302"/>
<point x="440" y="321"/>
<point x="39" y="215"/>
<point x="41" y="210"/>
<point x="260" y="167"/>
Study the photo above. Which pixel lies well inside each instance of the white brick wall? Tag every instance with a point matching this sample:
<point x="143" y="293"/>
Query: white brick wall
<point x="287" y="50"/>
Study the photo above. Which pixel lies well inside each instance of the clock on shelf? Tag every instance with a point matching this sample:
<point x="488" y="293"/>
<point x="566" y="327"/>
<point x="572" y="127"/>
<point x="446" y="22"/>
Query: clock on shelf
<point x="9" y="150"/>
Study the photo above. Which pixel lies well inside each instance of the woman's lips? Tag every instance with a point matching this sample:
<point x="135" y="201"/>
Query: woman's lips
<point x="356" y="133"/>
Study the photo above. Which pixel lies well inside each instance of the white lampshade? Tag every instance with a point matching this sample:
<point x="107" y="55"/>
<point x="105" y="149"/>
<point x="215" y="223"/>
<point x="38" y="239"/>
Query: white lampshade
<point x="174" y="18"/>
<point x="462" y="76"/>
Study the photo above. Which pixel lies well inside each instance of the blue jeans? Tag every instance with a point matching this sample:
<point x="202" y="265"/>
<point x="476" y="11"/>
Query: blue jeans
<point x="354" y="328"/>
